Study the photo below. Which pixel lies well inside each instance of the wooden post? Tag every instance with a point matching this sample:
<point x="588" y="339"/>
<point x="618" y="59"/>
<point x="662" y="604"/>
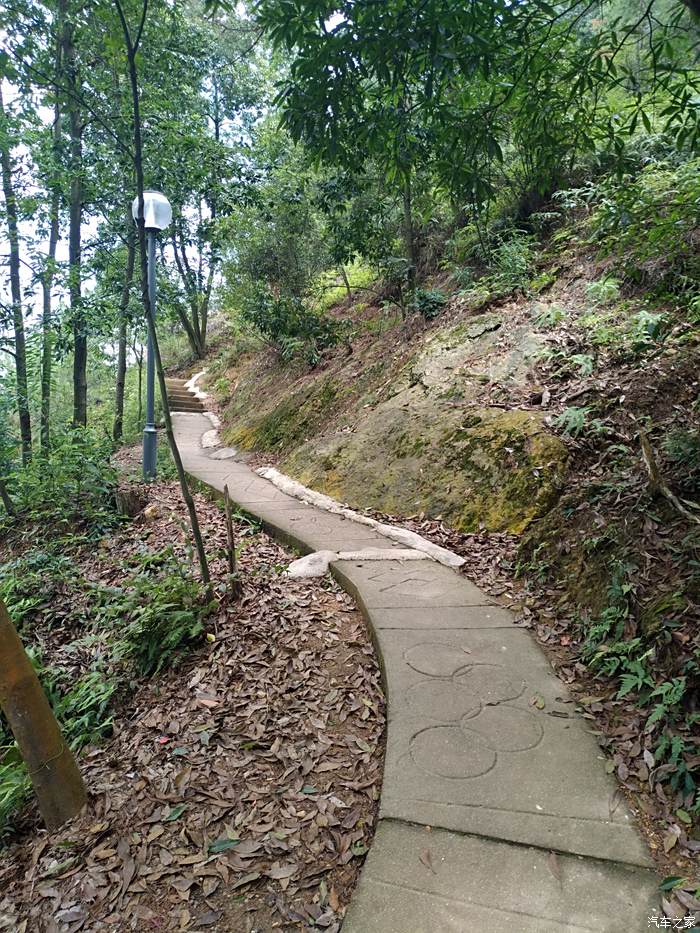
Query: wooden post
<point x="229" y="533"/>
<point x="52" y="768"/>
<point x="233" y="569"/>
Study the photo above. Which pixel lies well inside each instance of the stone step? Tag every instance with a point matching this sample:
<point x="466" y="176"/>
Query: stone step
<point x="185" y="406"/>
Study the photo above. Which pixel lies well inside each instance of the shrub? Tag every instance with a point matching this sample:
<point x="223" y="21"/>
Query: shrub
<point x="603" y="292"/>
<point x="72" y="489"/>
<point x="429" y="302"/>
<point x="651" y="220"/>
<point x="162" y="612"/>
<point x="512" y="260"/>
<point x="287" y="323"/>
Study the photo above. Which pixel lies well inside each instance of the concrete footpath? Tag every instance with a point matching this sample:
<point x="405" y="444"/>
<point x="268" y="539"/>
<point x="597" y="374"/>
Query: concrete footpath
<point x="496" y="815"/>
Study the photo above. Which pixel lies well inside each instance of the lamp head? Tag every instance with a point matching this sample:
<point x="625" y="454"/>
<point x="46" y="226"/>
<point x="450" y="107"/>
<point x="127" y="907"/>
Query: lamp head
<point x="157" y="212"/>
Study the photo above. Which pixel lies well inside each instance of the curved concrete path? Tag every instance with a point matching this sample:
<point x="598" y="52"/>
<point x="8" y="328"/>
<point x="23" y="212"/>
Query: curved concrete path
<point x="496" y="812"/>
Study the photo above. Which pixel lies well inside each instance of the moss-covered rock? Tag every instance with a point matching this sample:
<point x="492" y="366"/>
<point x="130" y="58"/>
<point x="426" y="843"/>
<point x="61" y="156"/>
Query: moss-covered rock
<point x="405" y="432"/>
<point x="493" y="468"/>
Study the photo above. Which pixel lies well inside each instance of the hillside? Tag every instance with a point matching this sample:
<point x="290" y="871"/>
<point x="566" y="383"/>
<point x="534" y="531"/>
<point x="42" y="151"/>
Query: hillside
<point x="510" y="428"/>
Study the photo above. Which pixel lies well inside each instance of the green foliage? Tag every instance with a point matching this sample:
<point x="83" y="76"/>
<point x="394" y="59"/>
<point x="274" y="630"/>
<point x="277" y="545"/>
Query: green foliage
<point x="429" y="302"/>
<point x="138" y="628"/>
<point x="33" y="581"/>
<point x="610" y="650"/>
<point x="605" y="291"/>
<point x="549" y="315"/>
<point x="289" y="325"/>
<point x="512" y="260"/>
<point x="81" y="709"/>
<point x="161" y="612"/>
<point x="650" y="219"/>
<point x="682" y="447"/>
<point x="572" y="420"/>
<point x="15" y="785"/>
<point x="73" y="489"/>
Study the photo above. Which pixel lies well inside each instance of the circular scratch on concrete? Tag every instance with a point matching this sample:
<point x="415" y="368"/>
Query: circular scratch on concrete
<point x="445" y="751"/>
<point x="505" y="728"/>
<point x="441" y="700"/>
<point x="489" y="682"/>
<point x="438" y="660"/>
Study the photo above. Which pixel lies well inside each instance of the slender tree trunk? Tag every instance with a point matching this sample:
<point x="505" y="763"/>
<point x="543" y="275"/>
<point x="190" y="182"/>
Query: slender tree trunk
<point x="140" y="364"/>
<point x="123" y="327"/>
<point x="49" y="271"/>
<point x="46" y="325"/>
<point x="75" y="216"/>
<point x="409" y="233"/>
<point x="6" y="499"/>
<point x="345" y="281"/>
<point x="188" y="326"/>
<point x="52" y="768"/>
<point x="25" y="426"/>
<point x="131" y="50"/>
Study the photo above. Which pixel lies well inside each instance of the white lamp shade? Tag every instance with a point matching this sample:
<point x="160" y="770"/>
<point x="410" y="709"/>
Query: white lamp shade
<point x="157" y="212"/>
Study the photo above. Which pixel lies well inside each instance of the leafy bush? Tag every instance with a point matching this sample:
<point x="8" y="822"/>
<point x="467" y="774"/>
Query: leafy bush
<point x="512" y="260"/>
<point x="609" y="650"/>
<point x="603" y="292"/>
<point x="429" y="302"/>
<point x="73" y="488"/>
<point x="549" y="315"/>
<point x="81" y="710"/>
<point x="289" y="325"/>
<point x="575" y="421"/>
<point x="651" y="219"/>
<point x="31" y="581"/>
<point x="162" y="612"/>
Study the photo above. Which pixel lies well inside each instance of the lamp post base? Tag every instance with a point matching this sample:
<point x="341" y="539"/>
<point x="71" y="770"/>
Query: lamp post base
<point x="150" y="452"/>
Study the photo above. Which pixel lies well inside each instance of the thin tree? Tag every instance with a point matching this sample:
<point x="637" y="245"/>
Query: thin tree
<point x="6" y="500"/>
<point x="20" y="346"/>
<point x="72" y="85"/>
<point x="118" y="430"/>
<point x="132" y="45"/>
<point x="50" y="268"/>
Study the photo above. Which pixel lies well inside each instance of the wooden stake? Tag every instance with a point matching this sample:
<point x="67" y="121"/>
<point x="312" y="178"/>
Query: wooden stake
<point x="52" y="768"/>
<point x="229" y="533"/>
<point x="232" y="566"/>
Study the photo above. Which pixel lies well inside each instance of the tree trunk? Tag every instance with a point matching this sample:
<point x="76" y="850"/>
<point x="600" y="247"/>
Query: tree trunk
<point x="75" y="216"/>
<point x="408" y="233"/>
<point x="25" y="426"/>
<point x="49" y="271"/>
<point x="52" y="768"/>
<point x="131" y="50"/>
<point x="123" y="327"/>
<point x="139" y="360"/>
<point x="6" y="500"/>
<point x="345" y="281"/>
<point x="46" y="323"/>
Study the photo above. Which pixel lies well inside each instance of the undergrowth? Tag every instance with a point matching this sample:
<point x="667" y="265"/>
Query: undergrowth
<point x="105" y="637"/>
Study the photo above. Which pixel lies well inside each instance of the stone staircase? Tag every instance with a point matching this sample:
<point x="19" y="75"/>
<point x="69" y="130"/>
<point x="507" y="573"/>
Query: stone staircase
<point x="180" y="397"/>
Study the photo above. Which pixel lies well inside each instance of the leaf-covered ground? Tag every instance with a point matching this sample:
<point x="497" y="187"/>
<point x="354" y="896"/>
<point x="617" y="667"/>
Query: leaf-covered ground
<point x="239" y="790"/>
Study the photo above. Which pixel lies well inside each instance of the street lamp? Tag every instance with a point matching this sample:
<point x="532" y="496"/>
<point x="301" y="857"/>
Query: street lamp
<point x="157" y="214"/>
